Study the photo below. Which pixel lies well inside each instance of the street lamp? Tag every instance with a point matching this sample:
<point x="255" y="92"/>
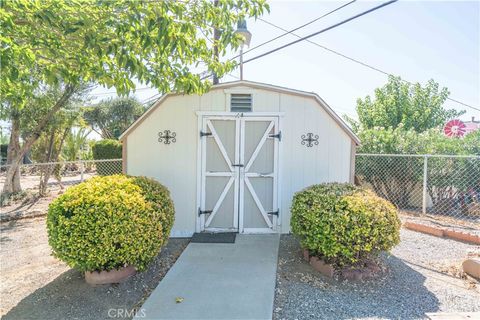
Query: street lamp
<point x="247" y="36"/>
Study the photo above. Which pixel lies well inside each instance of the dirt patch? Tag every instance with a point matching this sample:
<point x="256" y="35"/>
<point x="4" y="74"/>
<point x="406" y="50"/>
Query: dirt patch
<point x="26" y="263"/>
<point x="30" y="207"/>
<point x="37" y="286"/>
<point x="28" y="204"/>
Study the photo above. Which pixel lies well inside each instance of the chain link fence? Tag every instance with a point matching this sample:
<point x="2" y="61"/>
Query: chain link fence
<point x="40" y="178"/>
<point x="440" y="187"/>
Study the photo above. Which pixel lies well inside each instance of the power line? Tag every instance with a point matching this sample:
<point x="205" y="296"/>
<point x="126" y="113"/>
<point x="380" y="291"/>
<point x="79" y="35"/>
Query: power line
<point x="155" y="96"/>
<point x="356" y="60"/>
<point x="322" y="31"/>
<point x="325" y="48"/>
<point x="306" y="37"/>
<point x="311" y="35"/>
<point x="114" y="91"/>
<point x="295" y="29"/>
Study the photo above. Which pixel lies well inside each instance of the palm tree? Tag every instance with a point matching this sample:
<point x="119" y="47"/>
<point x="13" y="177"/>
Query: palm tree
<point x="76" y="144"/>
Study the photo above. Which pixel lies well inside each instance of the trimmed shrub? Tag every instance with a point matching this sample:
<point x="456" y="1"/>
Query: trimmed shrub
<point x="107" y="149"/>
<point x="343" y="224"/>
<point x="109" y="222"/>
<point x="159" y="197"/>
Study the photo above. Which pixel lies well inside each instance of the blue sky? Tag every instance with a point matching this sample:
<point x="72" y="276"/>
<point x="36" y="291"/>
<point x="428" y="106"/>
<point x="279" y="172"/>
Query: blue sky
<point x="417" y="40"/>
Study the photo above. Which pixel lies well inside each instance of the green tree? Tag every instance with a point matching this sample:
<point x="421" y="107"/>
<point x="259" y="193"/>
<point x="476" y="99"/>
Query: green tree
<point x="400" y="104"/>
<point x="25" y="121"/>
<point x="110" y="43"/>
<point x="404" y="118"/>
<point x="111" y="117"/>
<point x="48" y="147"/>
<point x="76" y="144"/>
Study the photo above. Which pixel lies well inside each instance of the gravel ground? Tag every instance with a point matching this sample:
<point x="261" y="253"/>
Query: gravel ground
<point x="34" y="285"/>
<point x="415" y="283"/>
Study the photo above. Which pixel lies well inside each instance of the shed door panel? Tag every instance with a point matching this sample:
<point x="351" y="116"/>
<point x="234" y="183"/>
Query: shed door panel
<point x="259" y="174"/>
<point x="219" y="176"/>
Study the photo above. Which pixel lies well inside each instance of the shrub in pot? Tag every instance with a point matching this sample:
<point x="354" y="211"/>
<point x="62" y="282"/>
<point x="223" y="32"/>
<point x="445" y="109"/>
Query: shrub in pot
<point x="343" y="224"/>
<point x="109" y="223"/>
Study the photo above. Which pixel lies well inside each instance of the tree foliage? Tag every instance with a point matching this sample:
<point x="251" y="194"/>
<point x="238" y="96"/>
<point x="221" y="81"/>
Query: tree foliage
<point x="408" y="119"/>
<point x="76" y="145"/>
<point x="111" y="117"/>
<point x="49" y="145"/>
<point x="110" y="43"/>
<point x="400" y="104"/>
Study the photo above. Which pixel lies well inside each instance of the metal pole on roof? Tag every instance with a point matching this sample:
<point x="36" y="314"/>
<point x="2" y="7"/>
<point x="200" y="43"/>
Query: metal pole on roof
<point x="247" y="36"/>
<point x="241" y="62"/>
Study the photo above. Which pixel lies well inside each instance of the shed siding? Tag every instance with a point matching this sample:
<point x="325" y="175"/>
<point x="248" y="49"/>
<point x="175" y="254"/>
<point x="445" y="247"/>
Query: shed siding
<point x="175" y="165"/>
<point x="302" y="166"/>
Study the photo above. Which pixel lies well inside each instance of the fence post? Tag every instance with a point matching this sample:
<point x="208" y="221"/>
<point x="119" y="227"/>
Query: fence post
<point x="82" y="169"/>
<point x="425" y="173"/>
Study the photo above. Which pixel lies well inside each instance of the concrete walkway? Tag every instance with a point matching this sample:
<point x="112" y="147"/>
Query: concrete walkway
<point x="218" y="281"/>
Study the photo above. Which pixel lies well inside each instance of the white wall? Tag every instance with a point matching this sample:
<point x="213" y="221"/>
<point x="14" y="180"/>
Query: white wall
<point x="175" y="165"/>
<point x="302" y="166"/>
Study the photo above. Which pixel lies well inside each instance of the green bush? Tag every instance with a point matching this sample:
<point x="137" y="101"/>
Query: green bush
<point x="3" y="153"/>
<point x="108" y="222"/>
<point x="107" y="149"/>
<point x="344" y="224"/>
<point x="159" y="197"/>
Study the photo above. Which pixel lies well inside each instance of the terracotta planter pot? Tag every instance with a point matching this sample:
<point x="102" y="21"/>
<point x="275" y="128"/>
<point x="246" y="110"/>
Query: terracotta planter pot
<point x="107" y="277"/>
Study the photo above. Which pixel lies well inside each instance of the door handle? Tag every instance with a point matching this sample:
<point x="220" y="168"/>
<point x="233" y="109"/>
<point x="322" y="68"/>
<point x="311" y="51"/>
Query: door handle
<point x="238" y="165"/>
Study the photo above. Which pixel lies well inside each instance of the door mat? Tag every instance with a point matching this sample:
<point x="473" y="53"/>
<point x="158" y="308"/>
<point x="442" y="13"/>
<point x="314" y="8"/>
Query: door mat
<point x="220" y="237"/>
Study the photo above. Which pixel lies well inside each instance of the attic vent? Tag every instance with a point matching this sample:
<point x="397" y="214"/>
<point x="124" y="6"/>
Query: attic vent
<point x="240" y="102"/>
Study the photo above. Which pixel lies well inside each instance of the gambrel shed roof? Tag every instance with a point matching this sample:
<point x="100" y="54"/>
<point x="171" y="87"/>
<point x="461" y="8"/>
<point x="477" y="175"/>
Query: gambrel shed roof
<point x="255" y="85"/>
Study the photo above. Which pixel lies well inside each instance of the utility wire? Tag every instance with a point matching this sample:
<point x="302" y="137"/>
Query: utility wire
<point x="148" y="100"/>
<point x="155" y="96"/>
<point x="306" y="37"/>
<point x="114" y="91"/>
<point x="356" y="60"/>
<point x="295" y="29"/>
<point x="321" y="31"/>
<point x="286" y="32"/>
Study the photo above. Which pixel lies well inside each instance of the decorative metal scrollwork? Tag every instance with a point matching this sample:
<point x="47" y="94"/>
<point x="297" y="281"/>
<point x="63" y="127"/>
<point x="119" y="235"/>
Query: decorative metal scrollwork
<point x="309" y="139"/>
<point x="167" y="137"/>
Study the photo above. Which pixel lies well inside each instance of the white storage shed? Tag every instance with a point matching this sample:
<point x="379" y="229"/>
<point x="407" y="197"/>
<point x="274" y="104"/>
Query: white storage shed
<point x="234" y="157"/>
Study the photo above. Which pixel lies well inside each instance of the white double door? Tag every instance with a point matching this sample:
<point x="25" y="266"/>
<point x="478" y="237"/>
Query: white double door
<point x="239" y="174"/>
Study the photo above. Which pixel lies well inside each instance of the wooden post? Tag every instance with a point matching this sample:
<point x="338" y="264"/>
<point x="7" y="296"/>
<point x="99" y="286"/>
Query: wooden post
<point x="82" y="169"/>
